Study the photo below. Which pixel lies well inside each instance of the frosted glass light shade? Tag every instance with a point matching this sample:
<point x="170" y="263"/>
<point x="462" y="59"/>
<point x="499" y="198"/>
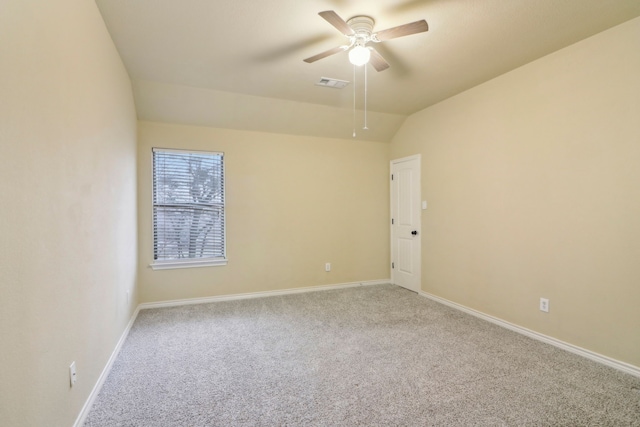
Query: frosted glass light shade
<point x="359" y="55"/>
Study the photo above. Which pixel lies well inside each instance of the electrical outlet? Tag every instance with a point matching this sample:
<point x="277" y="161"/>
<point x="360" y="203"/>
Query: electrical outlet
<point x="72" y="373"/>
<point x="544" y="305"/>
<point x="327" y="267"/>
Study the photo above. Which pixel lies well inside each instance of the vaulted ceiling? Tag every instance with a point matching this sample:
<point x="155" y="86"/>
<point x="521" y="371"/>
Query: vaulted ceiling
<point x="239" y="63"/>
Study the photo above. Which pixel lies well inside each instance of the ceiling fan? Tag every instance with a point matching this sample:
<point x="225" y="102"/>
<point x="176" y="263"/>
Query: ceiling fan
<point x="359" y="31"/>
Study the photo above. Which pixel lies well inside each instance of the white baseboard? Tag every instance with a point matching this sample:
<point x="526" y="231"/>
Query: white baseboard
<point x="613" y="363"/>
<point x="105" y="372"/>
<point x="248" y="295"/>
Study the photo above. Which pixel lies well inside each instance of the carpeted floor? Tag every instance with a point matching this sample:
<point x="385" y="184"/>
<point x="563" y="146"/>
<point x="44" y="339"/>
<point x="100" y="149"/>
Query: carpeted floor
<point x="367" y="356"/>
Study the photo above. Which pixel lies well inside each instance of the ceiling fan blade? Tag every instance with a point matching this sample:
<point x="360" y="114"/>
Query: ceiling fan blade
<point x="334" y="19"/>
<point x="324" y="54"/>
<point x="378" y="62"/>
<point x="403" y="30"/>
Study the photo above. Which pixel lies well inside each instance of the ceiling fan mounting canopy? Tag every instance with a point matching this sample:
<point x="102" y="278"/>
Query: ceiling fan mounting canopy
<point x="359" y="31"/>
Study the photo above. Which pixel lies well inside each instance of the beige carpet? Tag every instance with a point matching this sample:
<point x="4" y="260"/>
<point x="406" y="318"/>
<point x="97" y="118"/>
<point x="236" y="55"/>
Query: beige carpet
<point x="367" y="356"/>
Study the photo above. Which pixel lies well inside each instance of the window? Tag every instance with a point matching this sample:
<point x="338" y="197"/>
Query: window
<point x="188" y="209"/>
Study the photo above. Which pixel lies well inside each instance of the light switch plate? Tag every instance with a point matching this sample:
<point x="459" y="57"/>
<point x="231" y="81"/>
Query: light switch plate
<point x="72" y="373"/>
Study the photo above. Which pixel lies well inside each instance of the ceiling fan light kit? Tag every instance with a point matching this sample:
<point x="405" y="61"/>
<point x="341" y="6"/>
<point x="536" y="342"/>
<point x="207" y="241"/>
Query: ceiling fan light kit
<point x="359" y="55"/>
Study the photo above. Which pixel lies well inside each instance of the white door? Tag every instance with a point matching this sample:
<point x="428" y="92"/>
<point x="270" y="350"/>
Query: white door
<point x="405" y="222"/>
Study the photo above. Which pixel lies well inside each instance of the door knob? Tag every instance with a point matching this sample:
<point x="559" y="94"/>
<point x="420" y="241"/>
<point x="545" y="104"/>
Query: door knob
<point x="414" y="232"/>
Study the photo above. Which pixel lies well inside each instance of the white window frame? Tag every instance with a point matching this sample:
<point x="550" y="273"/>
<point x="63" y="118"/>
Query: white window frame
<point x="188" y="262"/>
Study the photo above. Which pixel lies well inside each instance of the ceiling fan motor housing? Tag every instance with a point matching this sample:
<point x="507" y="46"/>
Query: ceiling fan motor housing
<point x="362" y="25"/>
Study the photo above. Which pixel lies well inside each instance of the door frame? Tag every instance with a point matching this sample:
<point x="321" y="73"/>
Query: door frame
<point x="417" y="157"/>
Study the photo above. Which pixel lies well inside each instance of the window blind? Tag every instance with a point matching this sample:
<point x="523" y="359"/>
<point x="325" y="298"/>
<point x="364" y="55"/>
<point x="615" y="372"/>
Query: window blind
<point x="188" y="205"/>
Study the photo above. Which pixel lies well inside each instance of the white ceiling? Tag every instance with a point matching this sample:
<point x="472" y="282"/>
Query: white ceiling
<point x="213" y="62"/>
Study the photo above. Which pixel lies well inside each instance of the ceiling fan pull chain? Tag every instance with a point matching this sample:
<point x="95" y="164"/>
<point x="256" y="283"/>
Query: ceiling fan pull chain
<point x="365" y="97"/>
<point x="354" y="101"/>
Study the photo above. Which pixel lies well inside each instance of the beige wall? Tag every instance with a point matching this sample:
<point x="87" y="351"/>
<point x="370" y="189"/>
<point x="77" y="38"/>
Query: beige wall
<point x="67" y="207"/>
<point x="293" y="204"/>
<point x="533" y="187"/>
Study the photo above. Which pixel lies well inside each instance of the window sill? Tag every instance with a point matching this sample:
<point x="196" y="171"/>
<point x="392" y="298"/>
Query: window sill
<point x="167" y="265"/>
